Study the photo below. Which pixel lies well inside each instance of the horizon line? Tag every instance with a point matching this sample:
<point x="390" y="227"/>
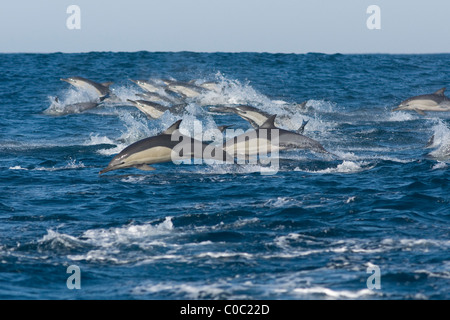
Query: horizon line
<point x="232" y="52"/>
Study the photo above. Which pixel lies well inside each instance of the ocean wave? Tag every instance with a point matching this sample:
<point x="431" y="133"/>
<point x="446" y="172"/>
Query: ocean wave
<point x="187" y="290"/>
<point x="71" y="165"/>
<point x="345" y="167"/>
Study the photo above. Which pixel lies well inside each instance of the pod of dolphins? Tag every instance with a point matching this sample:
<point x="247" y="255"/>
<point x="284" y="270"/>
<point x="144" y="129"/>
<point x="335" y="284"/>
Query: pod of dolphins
<point x="162" y="148"/>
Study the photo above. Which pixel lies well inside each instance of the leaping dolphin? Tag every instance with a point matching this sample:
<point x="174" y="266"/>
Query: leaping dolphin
<point x="250" y="143"/>
<point x="436" y="101"/>
<point x="149" y="86"/>
<point x="211" y="85"/>
<point x="162" y="148"/>
<point x="185" y="89"/>
<point x="102" y="89"/>
<point x="253" y="115"/>
<point x="155" y="110"/>
<point x="156" y="97"/>
<point x="71" y="108"/>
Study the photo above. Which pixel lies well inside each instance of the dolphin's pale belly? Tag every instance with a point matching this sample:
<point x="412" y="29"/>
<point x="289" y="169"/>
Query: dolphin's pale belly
<point x="150" y="156"/>
<point x="152" y="112"/>
<point x="188" y="92"/>
<point x="250" y="147"/>
<point x="88" y="87"/>
<point x="211" y="86"/>
<point x="149" y="87"/>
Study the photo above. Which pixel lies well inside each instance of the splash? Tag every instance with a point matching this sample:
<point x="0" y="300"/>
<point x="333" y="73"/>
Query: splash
<point x="345" y="167"/>
<point x="70" y="165"/>
<point x="401" y="116"/>
<point x="440" y="141"/>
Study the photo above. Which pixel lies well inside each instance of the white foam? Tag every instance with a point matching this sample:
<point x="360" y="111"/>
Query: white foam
<point x="334" y="294"/>
<point x="136" y="128"/>
<point x="71" y="164"/>
<point x="96" y="139"/>
<point x="401" y="116"/>
<point x="17" y="168"/>
<point x="218" y="255"/>
<point x="442" y="274"/>
<point x="106" y="241"/>
<point x="191" y="291"/>
<point x="439" y="166"/>
<point x="282" y="202"/>
<point x="345" y="167"/>
<point x="126" y="235"/>
<point x="115" y="150"/>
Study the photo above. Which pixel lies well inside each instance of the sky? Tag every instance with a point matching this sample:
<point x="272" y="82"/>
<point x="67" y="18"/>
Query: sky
<point x="277" y="26"/>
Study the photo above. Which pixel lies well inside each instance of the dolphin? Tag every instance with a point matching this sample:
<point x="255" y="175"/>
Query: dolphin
<point x="161" y="148"/>
<point x="156" y="97"/>
<point x="185" y="89"/>
<point x="436" y="101"/>
<point x="155" y="110"/>
<point x="250" y="143"/>
<point x="146" y="85"/>
<point x="71" y="108"/>
<point x="211" y="85"/>
<point x="102" y="89"/>
<point x="253" y="115"/>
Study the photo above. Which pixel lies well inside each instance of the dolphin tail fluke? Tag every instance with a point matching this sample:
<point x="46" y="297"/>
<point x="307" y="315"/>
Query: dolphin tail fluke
<point x="430" y="142"/>
<point x="302" y="127"/>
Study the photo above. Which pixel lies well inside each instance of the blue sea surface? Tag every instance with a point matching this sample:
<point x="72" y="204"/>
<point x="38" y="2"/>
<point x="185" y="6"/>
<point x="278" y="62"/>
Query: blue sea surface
<point x="314" y="230"/>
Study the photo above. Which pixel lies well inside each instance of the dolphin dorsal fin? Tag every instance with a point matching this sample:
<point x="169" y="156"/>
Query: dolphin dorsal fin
<point x="173" y="127"/>
<point x="270" y="123"/>
<point x="440" y="92"/>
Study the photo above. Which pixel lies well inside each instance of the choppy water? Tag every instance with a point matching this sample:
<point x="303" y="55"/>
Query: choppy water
<point x="225" y="232"/>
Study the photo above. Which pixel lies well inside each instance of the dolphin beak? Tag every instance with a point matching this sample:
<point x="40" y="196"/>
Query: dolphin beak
<point x="107" y="169"/>
<point x="66" y="80"/>
<point x="135" y="81"/>
<point x="396" y="108"/>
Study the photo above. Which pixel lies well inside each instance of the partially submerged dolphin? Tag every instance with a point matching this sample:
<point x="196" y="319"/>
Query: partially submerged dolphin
<point x="211" y="85"/>
<point x="71" y="108"/>
<point x="185" y="89"/>
<point x="436" y="101"/>
<point x="148" y="86"/>
<point x="155" y="110"/>
<point x="164" y="147"/>
<point x="102" y="89"/>
<point x="156" y="97"/>
<point x="250" y="143"/>
<point x="253" y="115"/>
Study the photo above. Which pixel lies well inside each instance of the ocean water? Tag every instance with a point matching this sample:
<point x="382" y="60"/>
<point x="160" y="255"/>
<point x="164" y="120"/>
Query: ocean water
<point x="314" y="230"/>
